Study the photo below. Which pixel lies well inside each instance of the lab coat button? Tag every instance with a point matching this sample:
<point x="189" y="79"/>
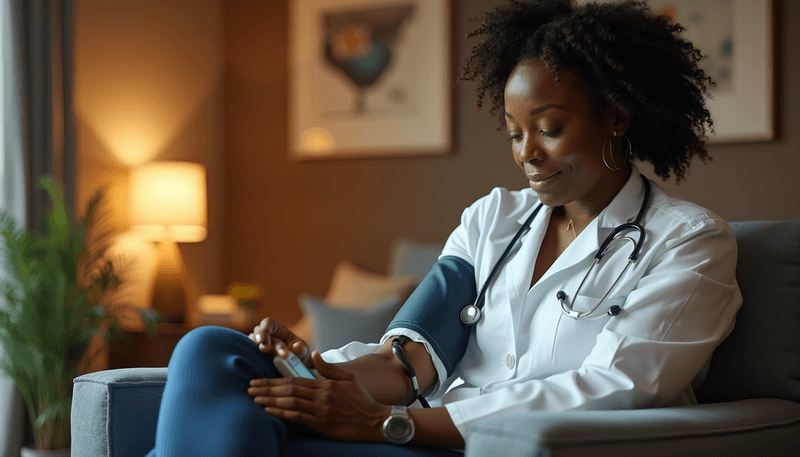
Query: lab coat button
<point x="510" y="361"/>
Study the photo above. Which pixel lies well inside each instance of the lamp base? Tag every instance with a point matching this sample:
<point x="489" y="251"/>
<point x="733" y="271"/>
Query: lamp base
<point x="169" y="294"/>
<point x="170" y="300"/>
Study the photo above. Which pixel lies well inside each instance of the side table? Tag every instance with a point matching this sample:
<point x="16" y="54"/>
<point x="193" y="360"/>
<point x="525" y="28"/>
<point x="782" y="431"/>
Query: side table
<point x="141" y="349"/>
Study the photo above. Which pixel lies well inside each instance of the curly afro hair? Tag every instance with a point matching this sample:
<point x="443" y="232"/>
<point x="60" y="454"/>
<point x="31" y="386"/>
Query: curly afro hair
<point x="631" y="58"/>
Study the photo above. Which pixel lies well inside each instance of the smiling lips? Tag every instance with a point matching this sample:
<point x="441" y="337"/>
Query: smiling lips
<point x="540" y="181"/>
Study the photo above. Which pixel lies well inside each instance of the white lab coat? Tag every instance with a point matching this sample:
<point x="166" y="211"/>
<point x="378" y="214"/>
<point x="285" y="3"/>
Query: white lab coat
<point x="679" y="300"/>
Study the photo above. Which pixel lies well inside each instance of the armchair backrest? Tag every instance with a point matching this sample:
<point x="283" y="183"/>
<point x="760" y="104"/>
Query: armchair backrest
<point x="761" y="356"/>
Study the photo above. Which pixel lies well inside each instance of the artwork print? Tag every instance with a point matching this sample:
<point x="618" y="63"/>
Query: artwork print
<point x="709" y="26"/>
<point x="737" y="38"/>
<point x="370" y="78"/>
<point x="361" y="46"/>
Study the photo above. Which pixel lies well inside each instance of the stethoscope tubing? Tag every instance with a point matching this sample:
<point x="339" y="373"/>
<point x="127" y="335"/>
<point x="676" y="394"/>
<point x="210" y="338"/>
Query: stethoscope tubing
<point x="471" y="314"/>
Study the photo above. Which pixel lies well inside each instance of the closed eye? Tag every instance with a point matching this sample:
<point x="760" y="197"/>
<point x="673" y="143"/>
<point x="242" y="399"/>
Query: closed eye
<point x="514" y="137"/>
<point x="553" y="132"/>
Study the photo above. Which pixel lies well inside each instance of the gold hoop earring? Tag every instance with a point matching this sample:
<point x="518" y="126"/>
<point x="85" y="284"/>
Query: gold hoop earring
<point x="611" y="151"/>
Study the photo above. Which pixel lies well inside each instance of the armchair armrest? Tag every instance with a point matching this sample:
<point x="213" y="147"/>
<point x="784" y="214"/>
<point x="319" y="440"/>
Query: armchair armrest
<point x="763" y="426"/>
<point x="115" y="412"/>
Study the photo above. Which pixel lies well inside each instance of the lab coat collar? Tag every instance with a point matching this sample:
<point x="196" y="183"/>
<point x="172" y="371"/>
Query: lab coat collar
<point x="545" y="211"/>
<point x="624" y="206"/>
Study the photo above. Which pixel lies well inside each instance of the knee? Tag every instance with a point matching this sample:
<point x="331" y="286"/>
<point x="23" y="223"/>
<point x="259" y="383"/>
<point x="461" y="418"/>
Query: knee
<point x="210" y="340"/>
<point x="230" y="355"/>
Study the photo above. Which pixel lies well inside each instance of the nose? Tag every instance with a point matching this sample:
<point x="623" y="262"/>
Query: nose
<point x="529" y="150"/>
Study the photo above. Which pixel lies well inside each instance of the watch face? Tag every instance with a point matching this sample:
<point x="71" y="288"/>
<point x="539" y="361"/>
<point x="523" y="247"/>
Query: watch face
<point x="399" y="428"/>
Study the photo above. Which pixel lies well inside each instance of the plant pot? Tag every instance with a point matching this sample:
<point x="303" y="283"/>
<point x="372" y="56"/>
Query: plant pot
<point x="31" y="451"/>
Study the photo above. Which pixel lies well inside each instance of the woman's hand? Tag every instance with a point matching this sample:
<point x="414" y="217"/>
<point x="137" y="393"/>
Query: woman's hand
<point x="274" y="338"/>
<point x="337" y="407"/>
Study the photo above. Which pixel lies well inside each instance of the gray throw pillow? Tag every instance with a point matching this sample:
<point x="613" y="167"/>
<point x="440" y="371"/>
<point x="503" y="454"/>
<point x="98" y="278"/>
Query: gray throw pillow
<point x="761" y="356"/>
<point x="334" y="327"/>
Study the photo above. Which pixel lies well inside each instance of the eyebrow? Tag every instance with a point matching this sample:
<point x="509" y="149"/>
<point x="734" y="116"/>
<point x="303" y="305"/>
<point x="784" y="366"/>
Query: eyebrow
<point x="538" y="110"/>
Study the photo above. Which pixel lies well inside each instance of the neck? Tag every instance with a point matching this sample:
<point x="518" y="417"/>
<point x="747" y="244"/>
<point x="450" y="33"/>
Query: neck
<point x="584" y="210"/>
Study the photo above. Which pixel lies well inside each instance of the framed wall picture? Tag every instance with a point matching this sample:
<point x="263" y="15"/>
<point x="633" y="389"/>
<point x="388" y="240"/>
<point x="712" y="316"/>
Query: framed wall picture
<point x="370" y="79"/>
<point x="739" y="39"/>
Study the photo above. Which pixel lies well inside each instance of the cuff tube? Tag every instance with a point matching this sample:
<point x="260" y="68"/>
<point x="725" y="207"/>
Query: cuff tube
<point x="433" y="309"/>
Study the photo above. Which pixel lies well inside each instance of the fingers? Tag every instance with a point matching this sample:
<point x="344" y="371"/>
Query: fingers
<point x="299" y="417"/>
<point x="282" y="389"/>
<point x="274" y="338"/>
<point x="275" y="382"/>
<point x="300" y="348"/>
<point x="282" y="398"/>
<point x="269" y="335"/>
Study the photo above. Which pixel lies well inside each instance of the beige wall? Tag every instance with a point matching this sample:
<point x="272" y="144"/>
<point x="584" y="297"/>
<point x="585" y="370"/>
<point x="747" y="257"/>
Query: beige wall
<point x="149" y="87"/>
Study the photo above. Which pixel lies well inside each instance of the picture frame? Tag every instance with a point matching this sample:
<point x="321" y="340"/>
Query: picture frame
<point x="359" y="85"/>
<point x="744" y="104"/>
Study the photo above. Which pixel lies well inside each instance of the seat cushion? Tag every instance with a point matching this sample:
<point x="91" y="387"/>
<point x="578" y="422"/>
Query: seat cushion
<point x="761" y="356"/>
<point x="746" y="428"/>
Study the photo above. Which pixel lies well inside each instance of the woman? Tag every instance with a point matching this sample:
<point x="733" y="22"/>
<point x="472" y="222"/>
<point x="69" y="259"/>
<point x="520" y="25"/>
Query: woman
<point x="582" y="90"/>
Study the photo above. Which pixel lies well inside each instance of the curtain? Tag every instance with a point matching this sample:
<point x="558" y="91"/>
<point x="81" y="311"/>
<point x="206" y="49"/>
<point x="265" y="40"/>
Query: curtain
<point x="46" y="70"/>
<point x="38" y="138"/>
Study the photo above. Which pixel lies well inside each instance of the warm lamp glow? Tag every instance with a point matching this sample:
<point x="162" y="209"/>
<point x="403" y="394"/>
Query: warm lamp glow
<point x="168" y="201"/>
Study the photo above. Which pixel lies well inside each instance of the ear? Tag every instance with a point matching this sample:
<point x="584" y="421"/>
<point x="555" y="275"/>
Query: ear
<point x="622" y="122"/>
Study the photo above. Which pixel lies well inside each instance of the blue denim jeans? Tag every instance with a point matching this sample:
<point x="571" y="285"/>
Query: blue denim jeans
<point x="206" y="411"/>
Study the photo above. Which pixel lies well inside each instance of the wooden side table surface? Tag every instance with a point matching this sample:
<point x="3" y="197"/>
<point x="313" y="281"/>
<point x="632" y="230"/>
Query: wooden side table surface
<point x="138" y="348"/>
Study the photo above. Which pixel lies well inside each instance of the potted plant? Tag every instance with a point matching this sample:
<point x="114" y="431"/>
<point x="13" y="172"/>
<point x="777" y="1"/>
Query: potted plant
<point x="52" y="285"/>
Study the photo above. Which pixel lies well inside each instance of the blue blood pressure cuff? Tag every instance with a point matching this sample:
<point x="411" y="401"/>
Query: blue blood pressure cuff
<point x="434" y="307"/>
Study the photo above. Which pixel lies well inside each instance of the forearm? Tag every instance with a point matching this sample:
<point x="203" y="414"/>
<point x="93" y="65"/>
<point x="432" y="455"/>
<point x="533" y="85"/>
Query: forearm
<point x="382" y="377"/>
<point x="434" y="427"/>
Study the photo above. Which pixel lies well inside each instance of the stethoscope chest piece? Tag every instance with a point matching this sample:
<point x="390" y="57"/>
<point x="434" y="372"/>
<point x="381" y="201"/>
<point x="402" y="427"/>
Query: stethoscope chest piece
<point x="470" y="315"/>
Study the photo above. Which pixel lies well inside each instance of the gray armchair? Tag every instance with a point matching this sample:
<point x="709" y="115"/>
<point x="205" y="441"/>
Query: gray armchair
<point x="750" y="400"/>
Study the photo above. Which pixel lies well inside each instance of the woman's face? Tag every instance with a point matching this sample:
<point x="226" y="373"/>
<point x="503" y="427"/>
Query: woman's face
<point x="557" y="137"/>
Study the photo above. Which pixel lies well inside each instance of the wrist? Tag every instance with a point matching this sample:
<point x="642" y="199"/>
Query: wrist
<point x="380" y="417"/>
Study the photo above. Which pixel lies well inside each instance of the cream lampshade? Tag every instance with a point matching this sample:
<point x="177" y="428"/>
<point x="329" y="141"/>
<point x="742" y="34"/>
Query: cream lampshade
<point x="168" y="204"/>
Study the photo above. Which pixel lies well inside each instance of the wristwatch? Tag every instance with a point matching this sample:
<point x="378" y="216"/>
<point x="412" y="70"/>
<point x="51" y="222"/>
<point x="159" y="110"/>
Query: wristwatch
<point x="398" y="428"/>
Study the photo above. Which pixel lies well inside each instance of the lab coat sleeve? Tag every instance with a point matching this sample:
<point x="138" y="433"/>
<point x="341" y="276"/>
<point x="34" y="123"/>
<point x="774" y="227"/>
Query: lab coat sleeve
<point x="683" y="306"/>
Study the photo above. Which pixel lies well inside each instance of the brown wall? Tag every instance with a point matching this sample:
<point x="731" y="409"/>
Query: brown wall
<point x="288" y="223"/>
<point x="206" y="81"/>
<point x="148" y="86"/>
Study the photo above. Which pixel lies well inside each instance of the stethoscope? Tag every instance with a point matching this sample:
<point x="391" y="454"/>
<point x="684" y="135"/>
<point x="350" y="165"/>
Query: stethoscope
<point x="471" y="314"/>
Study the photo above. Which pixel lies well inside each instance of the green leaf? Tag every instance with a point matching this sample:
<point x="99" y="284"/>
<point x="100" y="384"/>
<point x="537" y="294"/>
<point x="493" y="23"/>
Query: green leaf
<point x="59" y="410"/>
<point x="54" y="283"/>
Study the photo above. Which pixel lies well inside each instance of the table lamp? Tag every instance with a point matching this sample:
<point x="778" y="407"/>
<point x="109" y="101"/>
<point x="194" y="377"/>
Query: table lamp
<point x="168" y="205"/>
